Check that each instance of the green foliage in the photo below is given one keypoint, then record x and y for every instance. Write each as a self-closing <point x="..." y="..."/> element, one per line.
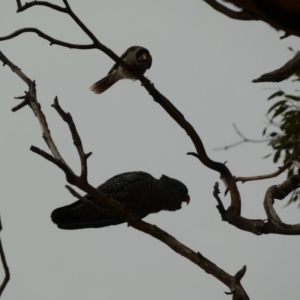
<point x="284" y="123"/>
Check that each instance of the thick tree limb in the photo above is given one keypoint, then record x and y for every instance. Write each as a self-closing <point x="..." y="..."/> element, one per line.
<point x="5" y="266"/>
<point x="287" y="70"/>
<point x="280" y="14"/>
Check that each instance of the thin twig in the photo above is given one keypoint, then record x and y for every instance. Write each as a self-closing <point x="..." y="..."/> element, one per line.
<point x="76" y="138"/>
<point x="244" y="139"/>
<point x="43" y="35"/>
<point x="5" y="266"/>
<point x="267" y="176"/>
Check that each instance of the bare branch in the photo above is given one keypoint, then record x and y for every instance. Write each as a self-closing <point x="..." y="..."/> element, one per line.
<point x="76" y="138"/>
<point x="220" y="205"/>
<point x="237" y="15"/>
<point x="240" y="274"/>
<point x="244" y="139"/>
<point x="31" y="99"/>
<point x="273" y="224"/>
<point x="85" y="200"/>
<point x="287" y="70"/>
<point x="19" y="106"/>
<point x="27" y="5"/>
<point x="267" y="176"/>
<point x="52" y="40"/>
<point x="279" y="14"/>
<point x="19" y="3"/>
<point x="5" y="266"/>
<point x="279" y="192"/>
<point x="14" y="68"/>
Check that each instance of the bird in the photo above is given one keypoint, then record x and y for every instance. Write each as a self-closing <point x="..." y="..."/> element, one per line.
<point x="136" y="56"/>
<point x="138" y="191"/>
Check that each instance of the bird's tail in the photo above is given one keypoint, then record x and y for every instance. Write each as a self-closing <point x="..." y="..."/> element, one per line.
<point x="79" y="216"/>
<point x="103" y="84"/>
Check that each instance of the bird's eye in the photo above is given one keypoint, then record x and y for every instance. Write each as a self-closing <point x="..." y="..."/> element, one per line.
<point x="144" y="56"/>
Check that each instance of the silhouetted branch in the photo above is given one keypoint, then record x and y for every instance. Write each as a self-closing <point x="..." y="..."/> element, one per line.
<point x="43" y="35"/>
<point x="280" y="14"/>
<point x="76" y="138"/>
<point x="220" y="205"/>
<point x="273" y="224"/>
<point x="240" y="274"/>
<point x="5" y="266"/>
<point x="233" y="14"/>
<point x="287" y="70"/>
<point x="267" y="176"/>
<point x="39" y="3"/>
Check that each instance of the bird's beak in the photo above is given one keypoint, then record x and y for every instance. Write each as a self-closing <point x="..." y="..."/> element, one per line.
<point x="145" y="56"/>
<point x="186" y="199"/>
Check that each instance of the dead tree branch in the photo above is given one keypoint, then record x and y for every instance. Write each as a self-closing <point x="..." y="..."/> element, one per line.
<point x="243" y="140"/>
<point x="273" y="224"/>
<point x="287" y="70"/>
<point x="5" y="266"/>
<point x="267" y="176"/>
<point x="232" y="282"/>
<point x="233" y="14"/>
<point x="280" y="14"/>
<point x="43" y="35"/>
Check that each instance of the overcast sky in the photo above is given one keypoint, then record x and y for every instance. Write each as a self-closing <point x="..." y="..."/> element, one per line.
<point x="204" y="63"/>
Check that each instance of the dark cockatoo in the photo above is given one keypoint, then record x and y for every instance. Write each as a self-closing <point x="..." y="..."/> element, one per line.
<point x="139" y="192"/>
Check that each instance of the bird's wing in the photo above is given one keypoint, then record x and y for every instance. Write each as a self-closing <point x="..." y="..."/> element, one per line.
<point x="122" y="182"/>
<point x="80" y="215"/>
<point x="116" y="65"/>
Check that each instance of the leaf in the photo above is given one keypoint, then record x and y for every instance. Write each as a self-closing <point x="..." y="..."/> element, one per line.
<point x="277" y="94"/>
<point x="275" y="105"/>
<point x="268" y="155"/>
<point x="280" y="110"/>
<point x="276" y="156"/>
<point x="264" y="131"/>
<point x="273" y="134"/>
<point x="293" y="97"/>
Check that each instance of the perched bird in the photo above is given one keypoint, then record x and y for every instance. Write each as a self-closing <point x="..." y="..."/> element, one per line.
<point x="139" y="192"/>
<point x="138" y="57"/>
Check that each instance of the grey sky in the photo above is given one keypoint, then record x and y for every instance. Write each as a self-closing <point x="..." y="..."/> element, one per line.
<point x="204" y="63"/>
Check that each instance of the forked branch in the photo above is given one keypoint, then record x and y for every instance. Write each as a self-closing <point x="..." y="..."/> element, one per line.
<point x="273" y="224"/>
